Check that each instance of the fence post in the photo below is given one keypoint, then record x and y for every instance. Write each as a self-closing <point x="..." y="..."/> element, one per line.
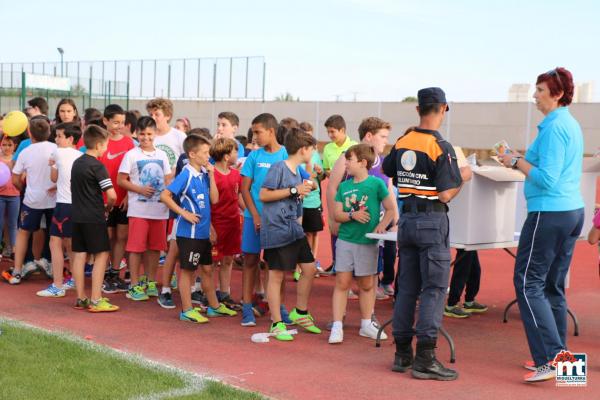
<point x="230" y="75"/>
<point x="246" y="90"/>
<point x="90" y="90"/>
<point x="183" y="89"/>
<point x="109" y="84"/>
<point x="215" y="81"/>
<point x="154" y="88"/>
<point x="23" y="89"/>
<point x="127" y="100"/>
<point x="141" y="76"/>
<point x="198" y="93"/>
<point x="264" y="79"/>
<point x="169" y="82"/>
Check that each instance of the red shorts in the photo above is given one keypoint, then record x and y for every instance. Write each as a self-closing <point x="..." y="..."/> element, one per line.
<point x="146" y="234"/>
<point x="229" y="240"/>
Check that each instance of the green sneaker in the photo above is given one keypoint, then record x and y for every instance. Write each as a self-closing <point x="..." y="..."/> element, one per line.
<point x="296" y="276"/>
<point x="192" y="315"/>
<point x="474" y="307"/>
<point x="143" y="281"/>
<point x="456" y="312"/>
<point x="152" y="290"/>
<point x="220" y="311"/>
<point x="102" y="305"/>
<point x="137" y="293"/>
<point x="174" y="281"/>
<point x="280" y="330"/>
<point x="305" y="321"/>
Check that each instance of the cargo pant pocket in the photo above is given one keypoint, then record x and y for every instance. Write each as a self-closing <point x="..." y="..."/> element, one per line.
<point x="438" y="268"/>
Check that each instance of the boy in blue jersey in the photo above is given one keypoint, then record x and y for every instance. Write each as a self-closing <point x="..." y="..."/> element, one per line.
<point x="196" y="189"/>
<point x="254" y="171"/>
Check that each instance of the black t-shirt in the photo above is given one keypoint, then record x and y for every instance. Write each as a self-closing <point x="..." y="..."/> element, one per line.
<point x="89" y="178"/>
<point x="422" y="164"/>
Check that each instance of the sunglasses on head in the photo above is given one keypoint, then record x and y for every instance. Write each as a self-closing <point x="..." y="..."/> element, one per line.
<point x="554" y="72"/>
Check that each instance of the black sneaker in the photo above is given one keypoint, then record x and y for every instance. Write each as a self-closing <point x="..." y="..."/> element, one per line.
<point x="165" y="300"/>
<point x="199" y="298"/>
<point x="109" y="286"/>
<point x="456" y="312"/>
<point x="120" y="285"/>
<point x="230" y="303"/>
<point x="474" y="307"/>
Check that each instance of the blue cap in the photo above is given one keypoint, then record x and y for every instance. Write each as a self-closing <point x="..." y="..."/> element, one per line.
<point x="432" y="95"/>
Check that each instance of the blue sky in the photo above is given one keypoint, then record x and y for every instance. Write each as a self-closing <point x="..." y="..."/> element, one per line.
<point x="380" y="49"/>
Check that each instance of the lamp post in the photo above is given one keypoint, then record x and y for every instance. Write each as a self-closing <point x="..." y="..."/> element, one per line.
<point x="62" y="52"/>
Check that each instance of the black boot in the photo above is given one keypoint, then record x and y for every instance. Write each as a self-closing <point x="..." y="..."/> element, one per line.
<point x="426" y="366"/>
<point x="403" y="359"/>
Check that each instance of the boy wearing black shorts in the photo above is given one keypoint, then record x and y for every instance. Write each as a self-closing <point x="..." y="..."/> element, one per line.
<point x="281" y="235"/>
<point x="196" y="189"/>
<point x="89" y="179"/>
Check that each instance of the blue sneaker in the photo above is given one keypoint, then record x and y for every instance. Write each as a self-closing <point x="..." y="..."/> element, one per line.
<point x="161" y="260"/>
<point x="88" y="269"/>
<point x="285" y="316"/>
<point x="248" y="318"/>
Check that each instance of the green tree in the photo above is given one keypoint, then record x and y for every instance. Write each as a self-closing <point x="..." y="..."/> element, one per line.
<point x="409" y="99"/>
<point x="287" y="96"/>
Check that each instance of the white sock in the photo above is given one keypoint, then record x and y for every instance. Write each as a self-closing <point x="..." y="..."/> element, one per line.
<point x="364" y="323"/>
<point x="337" y="325"/>
<point x="165" y="289"/>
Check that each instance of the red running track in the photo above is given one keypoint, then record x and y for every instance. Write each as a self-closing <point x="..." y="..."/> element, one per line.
<point x="489" y="353"/>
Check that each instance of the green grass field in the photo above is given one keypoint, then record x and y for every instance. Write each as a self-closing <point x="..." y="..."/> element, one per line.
<point x="35" y="364"/>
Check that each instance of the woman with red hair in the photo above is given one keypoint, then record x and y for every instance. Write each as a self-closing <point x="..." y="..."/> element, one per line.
<point x="552" y="166"/>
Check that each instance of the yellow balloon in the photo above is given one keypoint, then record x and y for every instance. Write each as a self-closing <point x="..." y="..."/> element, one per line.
<point x="15" y="123"/>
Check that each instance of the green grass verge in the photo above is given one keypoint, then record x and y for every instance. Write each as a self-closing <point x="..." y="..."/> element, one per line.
<point x="36" y="364"/>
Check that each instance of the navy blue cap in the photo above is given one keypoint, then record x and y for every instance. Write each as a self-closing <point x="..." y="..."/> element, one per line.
<point x="432" y="95"/>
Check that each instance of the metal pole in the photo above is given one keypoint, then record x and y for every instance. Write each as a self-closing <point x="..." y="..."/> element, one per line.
<point x="55" y="70"/>
<point x="90" y="90"/>
<point x="169" y="83"/>
<point x="127" y="101"/>
<point x="141" y="76"/>
<point x="230" y="74"/>
<point x="154" y="88"/>
<point x="11" y="75"/>
<point x="198" y="92"/>
<point x="23" y="90"/>
<point x="103" y="84"/>
<point x="66" y="69"/>
<point x="246" y="90"/>
<point x="183" y="89"/>
<point x="61" y="65"/>
<point x="109" y="82"/>
<point x="263" y="82"/>
<point x="32" y="68"/>
<point x="215" y="81"/>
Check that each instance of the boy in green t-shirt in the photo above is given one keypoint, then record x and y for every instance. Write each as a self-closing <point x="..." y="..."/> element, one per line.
<point x="357" y="205"/>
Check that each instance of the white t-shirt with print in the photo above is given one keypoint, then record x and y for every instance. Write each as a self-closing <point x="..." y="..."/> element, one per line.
<point x="33" y="161"/>
<point x="172" y="144"/>
<point x="63" y="162"/>
<point x="146" y="168"/>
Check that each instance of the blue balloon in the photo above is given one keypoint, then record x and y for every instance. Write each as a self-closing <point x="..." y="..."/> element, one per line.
<point x="4" y="174"/>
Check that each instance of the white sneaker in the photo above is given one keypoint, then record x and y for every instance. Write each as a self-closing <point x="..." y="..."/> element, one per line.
<point x="29" y="268"/>
<point x="371" y="331"/>
<point x="68" y="284"/>
<point x="51" y="291"/>
<point x="336" y="336"/>
<point x="543" y="373"/>
<point x="45" y="266"/>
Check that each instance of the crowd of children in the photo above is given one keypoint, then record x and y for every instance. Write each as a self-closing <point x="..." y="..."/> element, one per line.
<point x="119" y="195"/>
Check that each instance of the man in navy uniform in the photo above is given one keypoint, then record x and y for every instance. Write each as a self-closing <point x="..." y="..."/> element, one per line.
<point x="424" y="168"/>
